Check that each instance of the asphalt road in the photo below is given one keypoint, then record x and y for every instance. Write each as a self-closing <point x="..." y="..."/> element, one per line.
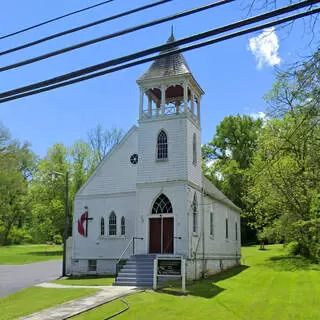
<point x="16" y="277"/>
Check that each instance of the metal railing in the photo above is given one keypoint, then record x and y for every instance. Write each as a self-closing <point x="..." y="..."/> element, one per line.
<point x="171" y="242"/>
<point x="121" y="262"/>
<point x="157" y="112"/>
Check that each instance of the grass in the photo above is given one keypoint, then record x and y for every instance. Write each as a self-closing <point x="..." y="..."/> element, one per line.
<point x="22" y="254"/>
<point x="269" y="285"/>
<point x="87" y="281"/>
<point x="34" y="299"/>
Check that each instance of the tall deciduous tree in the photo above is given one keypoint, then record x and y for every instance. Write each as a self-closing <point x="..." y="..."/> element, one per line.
<point x="102" y="141"/>
<point x="48" y="194"/>
<point x="284" y="186"/>
<point x="16" y="168"/>
<point x="230" y="154"/>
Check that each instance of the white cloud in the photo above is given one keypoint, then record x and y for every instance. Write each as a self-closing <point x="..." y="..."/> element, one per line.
<point x="265" y="48"/>
<point x="258" y="115"/>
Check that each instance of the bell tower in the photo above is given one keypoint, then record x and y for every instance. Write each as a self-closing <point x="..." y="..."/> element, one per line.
<point x="169" y="148"/>
<point x="169" y="121"/>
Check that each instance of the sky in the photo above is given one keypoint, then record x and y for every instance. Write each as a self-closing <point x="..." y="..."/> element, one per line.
<point x="234" y="74"/>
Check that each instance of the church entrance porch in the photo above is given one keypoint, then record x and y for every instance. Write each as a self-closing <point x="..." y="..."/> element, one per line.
<point x="161" y="235"/>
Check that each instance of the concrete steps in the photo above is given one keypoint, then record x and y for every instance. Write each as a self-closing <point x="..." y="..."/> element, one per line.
<point x="138" y="271"/>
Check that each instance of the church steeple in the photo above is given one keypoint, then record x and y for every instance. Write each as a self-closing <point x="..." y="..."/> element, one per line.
<point x="169" y="87"/>
<point x="172" y="65"/>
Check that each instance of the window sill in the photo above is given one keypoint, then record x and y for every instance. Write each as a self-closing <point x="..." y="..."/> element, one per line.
<point x="112" y="237"/>
<point x="194" y="234"/>
<point x="162" y="160"/>
<point x="211" y="237"/>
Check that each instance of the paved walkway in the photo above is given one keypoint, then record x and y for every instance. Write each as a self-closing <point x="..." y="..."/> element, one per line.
<point x="13" y="278"/>
<point x="72" y="308"/>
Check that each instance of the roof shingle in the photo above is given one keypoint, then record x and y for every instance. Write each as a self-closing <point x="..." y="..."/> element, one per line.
<point x="171" y="65"/>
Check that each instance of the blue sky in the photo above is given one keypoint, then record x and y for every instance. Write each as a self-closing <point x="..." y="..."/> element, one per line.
<point x="230" y="74"/>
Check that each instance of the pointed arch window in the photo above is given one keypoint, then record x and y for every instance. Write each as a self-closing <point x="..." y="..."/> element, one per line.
<point x="102" y="226"/>
<point x="162" y="146"/>
<point x="123" y="226"/>
<point x="162" y="205"/>
<point x="194" y="214"/>
<point x="194" y="149"/>
<point x="112" y="224"/>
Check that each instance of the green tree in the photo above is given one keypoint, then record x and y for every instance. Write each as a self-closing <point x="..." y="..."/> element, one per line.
<point x="48" y="194"/>
<point x="230" y="153"/>
<point x="284" y="179"/>
<point x="16" y="168"/>
<point x="82" y="164"/>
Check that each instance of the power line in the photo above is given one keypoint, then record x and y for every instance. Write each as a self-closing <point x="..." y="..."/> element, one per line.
<point x="172" y="45"/>
<point x="45" y="87"/>
<point x="114" y="35"/>
<point x="60" y="34"/>
<point x="55" y="19"/>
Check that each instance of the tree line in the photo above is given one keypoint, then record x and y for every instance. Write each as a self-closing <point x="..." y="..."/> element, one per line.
<point x="270" y="167"/>
<point x="32" y="189"/>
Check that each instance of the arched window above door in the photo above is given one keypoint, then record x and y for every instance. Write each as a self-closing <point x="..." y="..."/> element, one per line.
<point x="162" y="205"/>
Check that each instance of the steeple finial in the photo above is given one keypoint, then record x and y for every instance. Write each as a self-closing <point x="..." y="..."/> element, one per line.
<point x="171" y="38"/>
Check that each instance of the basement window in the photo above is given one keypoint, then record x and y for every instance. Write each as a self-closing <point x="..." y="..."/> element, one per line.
<point x="92" y="265"/>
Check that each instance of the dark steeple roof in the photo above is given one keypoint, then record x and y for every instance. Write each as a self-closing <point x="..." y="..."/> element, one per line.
<point x="171" y="65"/>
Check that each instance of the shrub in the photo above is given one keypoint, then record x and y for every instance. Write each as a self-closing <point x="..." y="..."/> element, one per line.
<point x="293" y="248"/>
<point x="57" y="239"/>
<point x="19" y="236"/>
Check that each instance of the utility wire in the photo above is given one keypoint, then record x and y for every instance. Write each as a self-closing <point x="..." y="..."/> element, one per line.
<point x="60" y="34"/>
<point x="44" y="86"/>
<point x="173" y="45"/>
<point x="55" y="19"/>
<point x="114" y="35"/>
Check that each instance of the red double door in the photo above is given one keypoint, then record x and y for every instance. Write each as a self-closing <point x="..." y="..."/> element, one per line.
<point x="161" y="235"/>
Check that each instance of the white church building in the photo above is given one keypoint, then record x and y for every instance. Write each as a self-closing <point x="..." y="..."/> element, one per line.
<point x="148" y="197"/>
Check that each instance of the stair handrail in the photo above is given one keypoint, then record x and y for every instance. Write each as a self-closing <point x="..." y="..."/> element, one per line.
<point x="124" y="251"/>
<point x="122" y="254"/>
<point x="171" y="241"/>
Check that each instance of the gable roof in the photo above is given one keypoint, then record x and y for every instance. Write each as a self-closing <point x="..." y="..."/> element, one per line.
<point x="214" y="192"/>
<point x="107" y="156"/>
<point x="171" y="65"/>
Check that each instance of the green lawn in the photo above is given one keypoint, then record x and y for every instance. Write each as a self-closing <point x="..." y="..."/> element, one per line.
<point x="269" y="285"/>
<point x="29" y="253"/>
<point x="87" y="281"/>
<point x="34" y="299"/>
